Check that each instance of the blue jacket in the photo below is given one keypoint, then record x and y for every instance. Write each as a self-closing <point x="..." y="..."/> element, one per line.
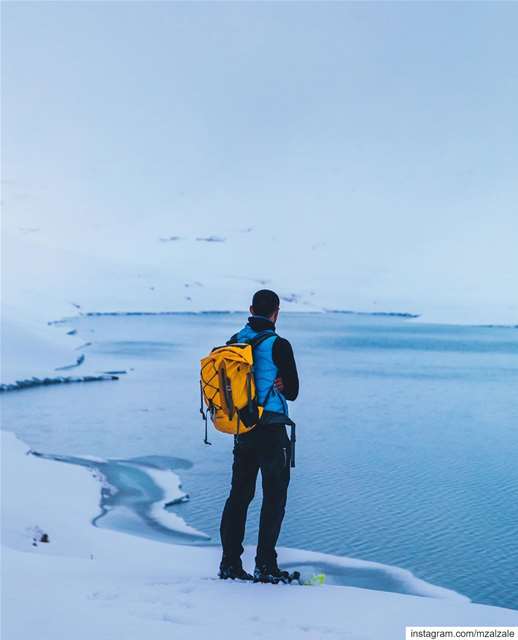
<point x="265" y="370"/>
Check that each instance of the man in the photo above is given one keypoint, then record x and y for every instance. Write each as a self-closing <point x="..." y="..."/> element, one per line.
<point x="267" y="447"/>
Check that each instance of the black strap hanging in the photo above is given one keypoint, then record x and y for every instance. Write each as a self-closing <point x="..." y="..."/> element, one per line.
<point x="292" y="442"/>
<point x="203" y="415"/>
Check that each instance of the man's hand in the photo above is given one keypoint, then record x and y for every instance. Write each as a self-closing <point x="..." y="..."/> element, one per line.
<point x="278" y="384"/>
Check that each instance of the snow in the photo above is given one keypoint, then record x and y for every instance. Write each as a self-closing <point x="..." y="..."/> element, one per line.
<point x="32" y="348"/>
<point x="34" y="293"/>
<point x="36" y="496"/>
<point x="90" y="582"/>
<point x="48" y="277"/>
<point x="169" y="483"/>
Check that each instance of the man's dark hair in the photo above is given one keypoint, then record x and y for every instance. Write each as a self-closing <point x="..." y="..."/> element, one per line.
<point x="265" y="302"/>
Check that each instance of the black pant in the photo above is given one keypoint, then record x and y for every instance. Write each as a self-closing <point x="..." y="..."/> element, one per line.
<point x="267" y="447"/>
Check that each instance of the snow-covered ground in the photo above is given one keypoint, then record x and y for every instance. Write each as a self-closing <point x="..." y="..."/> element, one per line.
<point x="88" y="582"/>
<point x="47" y="277"/>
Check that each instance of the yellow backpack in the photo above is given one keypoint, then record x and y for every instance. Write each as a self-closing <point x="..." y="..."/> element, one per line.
<point x="227" y="387"/>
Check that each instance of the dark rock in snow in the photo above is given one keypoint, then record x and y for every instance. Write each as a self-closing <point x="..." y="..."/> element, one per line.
<point x="211" y="239"/>
<point x="383" y="314"/>
<point x="82" y="346"/>
<point x="36" y="382"/>
<point x="77" y="363"/>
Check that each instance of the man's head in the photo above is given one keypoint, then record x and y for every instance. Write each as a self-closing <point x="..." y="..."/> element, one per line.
<point x="265" y="303"/>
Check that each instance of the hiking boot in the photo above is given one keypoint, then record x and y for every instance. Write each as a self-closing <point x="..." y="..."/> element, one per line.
<point x="233" y="571"/>
<point x="271" y="573"/>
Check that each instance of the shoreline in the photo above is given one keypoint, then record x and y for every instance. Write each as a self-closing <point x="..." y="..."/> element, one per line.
<point x="147" y="489"/>
<point x="414" y="317"/>
<point x="107" y="583"/>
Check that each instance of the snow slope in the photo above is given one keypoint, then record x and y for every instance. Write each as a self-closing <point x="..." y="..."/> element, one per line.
<point x="88" y="582"/>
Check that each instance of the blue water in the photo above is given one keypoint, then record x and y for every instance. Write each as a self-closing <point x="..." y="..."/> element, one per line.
<point x="407" y="435"/>
<point x="128" y="494"/>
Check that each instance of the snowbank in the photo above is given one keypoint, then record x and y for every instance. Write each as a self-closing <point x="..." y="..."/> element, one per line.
<point x="172" y="494"/>
<point x="38" y="286"/>
<point x="88" y="582"/>
<point x="31" y="348"/>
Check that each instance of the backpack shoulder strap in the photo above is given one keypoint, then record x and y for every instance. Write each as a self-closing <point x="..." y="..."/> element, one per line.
<point x="256" y="340"/>
<point x="261" y="337"/>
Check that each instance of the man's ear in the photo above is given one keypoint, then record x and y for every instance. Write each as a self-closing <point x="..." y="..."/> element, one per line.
<point x="251" y="310"/>
<point x="275" y="316"/>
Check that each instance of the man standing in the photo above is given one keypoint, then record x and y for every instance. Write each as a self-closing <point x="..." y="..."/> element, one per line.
<point x="267" y="447"/>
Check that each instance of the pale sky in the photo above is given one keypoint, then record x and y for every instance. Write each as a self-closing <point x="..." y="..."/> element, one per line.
<point x="390" y="126"/>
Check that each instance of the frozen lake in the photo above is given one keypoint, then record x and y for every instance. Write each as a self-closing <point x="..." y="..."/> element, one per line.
<point x="407" y="443"/>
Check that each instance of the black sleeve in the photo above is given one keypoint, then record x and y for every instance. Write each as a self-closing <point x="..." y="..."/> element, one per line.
<point x="284" y="360"/>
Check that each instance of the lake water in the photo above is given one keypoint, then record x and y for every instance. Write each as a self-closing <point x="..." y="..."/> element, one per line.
<point x="407" y="450"/>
